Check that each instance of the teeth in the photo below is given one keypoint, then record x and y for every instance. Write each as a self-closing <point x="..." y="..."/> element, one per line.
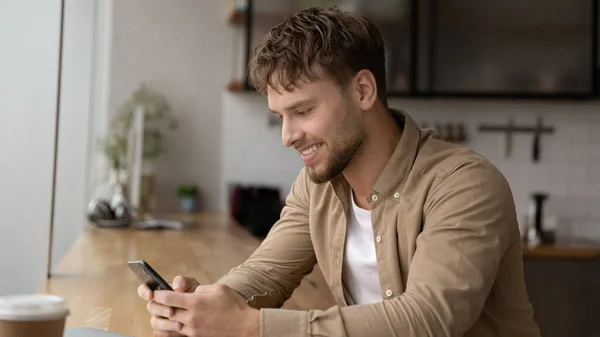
<point x="310" y="150"/>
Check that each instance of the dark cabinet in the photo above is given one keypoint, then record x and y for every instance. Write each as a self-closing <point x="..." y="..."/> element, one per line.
<point x="508" y="47"/>
<point x="568" y="304"/>
<point x="491" y="48"/>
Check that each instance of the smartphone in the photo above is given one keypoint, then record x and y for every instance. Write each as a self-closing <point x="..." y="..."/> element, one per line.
<point x="148" y="275"/>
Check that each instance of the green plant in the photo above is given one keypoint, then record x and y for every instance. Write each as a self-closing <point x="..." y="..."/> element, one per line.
<point x="187" y="190"/>
<point x="157" y="121"/>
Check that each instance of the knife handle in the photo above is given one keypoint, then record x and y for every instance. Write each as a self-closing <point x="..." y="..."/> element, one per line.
<point x="536" y="148"/>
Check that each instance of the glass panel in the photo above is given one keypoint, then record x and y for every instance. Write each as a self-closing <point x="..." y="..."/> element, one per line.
<point x="392" y="17"/>
<point x="79" y="56"/>
<point x="512" y="46"/>
<point x="424" y="53"/>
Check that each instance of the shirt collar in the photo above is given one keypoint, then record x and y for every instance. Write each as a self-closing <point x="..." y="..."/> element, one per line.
<point x="393" y="177"/>
<point x="395" y="173"/>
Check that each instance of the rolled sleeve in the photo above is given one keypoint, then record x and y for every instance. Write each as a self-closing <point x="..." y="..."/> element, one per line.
<point x="271" y="274"/>
<point x="281" y="322"/>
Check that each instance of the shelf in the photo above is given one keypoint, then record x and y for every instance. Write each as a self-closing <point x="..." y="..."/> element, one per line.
<point x="398" y="93"/>
<point x="237" y="17"/>
<point x="236" y="85"/>
<point x="506" y="95"/>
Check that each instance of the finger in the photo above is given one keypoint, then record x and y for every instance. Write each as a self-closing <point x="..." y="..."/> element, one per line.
<point x="172" y="298"/>
<point x="162" y="333"/>
<point x="159" y="309"/>
<point x="164" y="325"/>
<point x="184" y="283"/>
<point x="179" y="283"/>
<point x="166" y="334"/>
<point x="145" y="292"/>
<point x="188" y="331"/>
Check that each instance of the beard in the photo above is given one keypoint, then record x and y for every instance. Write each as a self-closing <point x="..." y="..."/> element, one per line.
<point x="352" y="139"/>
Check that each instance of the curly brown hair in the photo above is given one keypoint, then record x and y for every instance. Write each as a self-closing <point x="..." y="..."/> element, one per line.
<point x="341" y="42"/>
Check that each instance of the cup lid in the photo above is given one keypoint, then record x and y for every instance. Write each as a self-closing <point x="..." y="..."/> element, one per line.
<point x="32" y="307"/>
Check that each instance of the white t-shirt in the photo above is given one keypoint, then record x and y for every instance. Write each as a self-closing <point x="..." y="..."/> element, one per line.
<point x="360" y="274"/>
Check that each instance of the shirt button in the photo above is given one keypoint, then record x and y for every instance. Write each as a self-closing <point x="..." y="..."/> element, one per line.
<point x="378" y="239"/>
<point x="388" y="293"/>
<point x="396" y="195"/>
<point x="374" y="197"/>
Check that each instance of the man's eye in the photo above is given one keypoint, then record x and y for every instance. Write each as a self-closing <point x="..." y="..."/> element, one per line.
<point x="304" y="112"/>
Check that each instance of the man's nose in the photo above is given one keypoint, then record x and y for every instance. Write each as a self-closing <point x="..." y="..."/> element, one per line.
<point x="289" y="133"/>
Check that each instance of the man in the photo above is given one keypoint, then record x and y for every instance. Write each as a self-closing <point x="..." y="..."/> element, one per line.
<point x="415" y="236"/>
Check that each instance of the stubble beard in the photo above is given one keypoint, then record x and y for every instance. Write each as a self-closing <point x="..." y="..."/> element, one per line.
<point x="342" y="155"/>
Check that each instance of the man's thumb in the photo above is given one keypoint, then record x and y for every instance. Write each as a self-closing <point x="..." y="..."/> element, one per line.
<point x="179" y="283"/>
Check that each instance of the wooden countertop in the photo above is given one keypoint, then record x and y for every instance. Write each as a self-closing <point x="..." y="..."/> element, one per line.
<point x="101" y="291"/>
<point x="565" y="249"/>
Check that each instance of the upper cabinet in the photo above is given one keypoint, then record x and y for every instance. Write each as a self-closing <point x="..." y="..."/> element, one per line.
<point x="491" y="48"/>
<point x="507" y="47"/>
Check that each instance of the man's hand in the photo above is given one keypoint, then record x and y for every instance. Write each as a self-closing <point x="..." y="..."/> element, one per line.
<point x="181" y="284"/>
<point x="211" y="311"/>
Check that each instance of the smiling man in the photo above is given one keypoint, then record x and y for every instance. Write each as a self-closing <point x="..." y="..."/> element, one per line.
<point x="415" y="236"/>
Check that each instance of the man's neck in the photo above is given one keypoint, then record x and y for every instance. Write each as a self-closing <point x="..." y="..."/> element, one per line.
<point x="382" y="137"/>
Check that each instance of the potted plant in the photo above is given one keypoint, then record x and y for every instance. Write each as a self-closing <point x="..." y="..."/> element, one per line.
<point x="188" y="196"/>
<point x="158" y="122"/>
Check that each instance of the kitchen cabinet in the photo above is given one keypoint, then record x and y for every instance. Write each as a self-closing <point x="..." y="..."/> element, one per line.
<point x="564" y="295"/>
<point x="471" y="48"/>
<point x="508" y="48"/>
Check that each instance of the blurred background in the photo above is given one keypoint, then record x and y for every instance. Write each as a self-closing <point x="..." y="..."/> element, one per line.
<point x="516" y="81"/>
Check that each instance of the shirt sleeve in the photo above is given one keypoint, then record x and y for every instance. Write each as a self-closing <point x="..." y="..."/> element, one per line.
<point x="469" y="218"/>
<point x="268" y="278"/>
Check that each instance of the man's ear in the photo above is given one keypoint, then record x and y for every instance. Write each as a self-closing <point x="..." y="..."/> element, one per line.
<point x="366" y="89"/>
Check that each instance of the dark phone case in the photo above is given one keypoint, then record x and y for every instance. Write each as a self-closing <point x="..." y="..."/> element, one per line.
<point x="148" y="275"/>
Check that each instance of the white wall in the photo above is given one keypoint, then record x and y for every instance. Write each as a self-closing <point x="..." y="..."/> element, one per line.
<point x="182" y="49"/>
<point x="29" y="36"/>
<point x="569" y="166"/>
<point x="252" y="150"/>
<point x="74" y="129"/>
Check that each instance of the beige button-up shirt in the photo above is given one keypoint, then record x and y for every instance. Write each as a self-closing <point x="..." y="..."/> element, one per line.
<point x="447" y="242"/>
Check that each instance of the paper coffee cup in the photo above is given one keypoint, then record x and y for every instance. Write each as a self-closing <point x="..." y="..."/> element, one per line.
<point x="32" y="316"/>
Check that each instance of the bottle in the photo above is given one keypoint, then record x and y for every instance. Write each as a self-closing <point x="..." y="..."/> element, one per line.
<point x="449" y="133"/>
<point x="462" y="135"/>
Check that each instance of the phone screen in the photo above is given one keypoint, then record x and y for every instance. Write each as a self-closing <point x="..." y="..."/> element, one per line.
<point x="148" y="275"/>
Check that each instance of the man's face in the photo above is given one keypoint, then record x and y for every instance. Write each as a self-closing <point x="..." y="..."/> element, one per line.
<point x="322" y="124"/>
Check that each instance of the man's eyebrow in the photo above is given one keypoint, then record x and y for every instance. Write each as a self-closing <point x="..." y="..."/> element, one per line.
<point x="295" y="105"/>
